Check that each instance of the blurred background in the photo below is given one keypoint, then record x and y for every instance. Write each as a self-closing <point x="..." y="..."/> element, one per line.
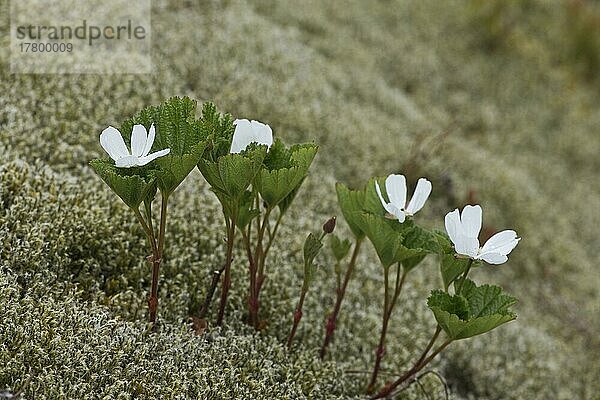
<point x="496" y="102"/>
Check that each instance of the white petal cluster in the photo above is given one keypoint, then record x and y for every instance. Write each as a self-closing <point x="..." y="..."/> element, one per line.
<point x="141" y="144"/>
<point x="395" y="186"/>
<point x="247" y="132"/>
<point x="463" y="229"/>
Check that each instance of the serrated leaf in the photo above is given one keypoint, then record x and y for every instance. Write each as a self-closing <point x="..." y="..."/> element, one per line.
<point x="340" y="248"/>
<point x="457" y="305"/>
<point x="132" y="185"/>
<point x="302" y="155"/>
<point x="174" y="169"/>
<point x="351" y="203"/>
<point x="176" y="129"/>
<point x="488" y="308"/>
<point x="274" y="185"/>
<point x="218" y="129"/>
<point x="416" y="237"/>
<point x="486" y="299"/>
<point x="386" y="238"/>
<point x="278" y="156"/>
<point x="232" y="174"/>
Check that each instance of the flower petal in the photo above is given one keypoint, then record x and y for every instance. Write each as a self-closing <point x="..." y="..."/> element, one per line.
<point x="502" y="243"/>
<point x="493" y="258"/>
<point x="388" y="207"/>
<point x="395" y="185"/>
<point x="127" y="162"/>
<point x="151" y="157"/>
<point x="466" y="245"/>
<point x="453" y="226"/>
<point x="112" y="142"/>
<point x="149" y="140"/>
<point x="471" y="221"/>
<point x="399" y="214"/>
<point x="378" y="190"/>
<point x="262" y="133"/>
<point x="138" y="140"/>
<point x="242" y="136"/>
<point x="422" y="192"/>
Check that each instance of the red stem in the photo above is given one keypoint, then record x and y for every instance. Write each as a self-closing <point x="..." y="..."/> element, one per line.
<point x="387" y="390"/>
<point x="297" y="318"/>
<point x="331" y="321"/>
<point x="387" y="314"/>
<point x="227" y="275"/>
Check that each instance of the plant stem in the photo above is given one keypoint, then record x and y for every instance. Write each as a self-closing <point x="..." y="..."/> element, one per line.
<point x="153" y="300"/>
<point x="387" y="390"/>
<point x="148" y="231"/>
<point x="257" y="271"/>
<point x="227" y="270"/>
<point x="251" y="270"/>
<point x="388" y="307"/>
<point x="148" y="210"/>
<point x="216" y="277"/>
<point x="331" y="321"/>
<point x="272" y="234"/>
<point x="297" y="317"/>
<point x="464" y="277"/>
<point x="261" y="253"/>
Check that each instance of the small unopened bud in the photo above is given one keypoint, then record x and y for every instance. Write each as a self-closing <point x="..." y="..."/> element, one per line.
<point x="329" y="226"/>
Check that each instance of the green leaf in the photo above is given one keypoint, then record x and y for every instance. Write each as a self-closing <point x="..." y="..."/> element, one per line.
<point x="340" y="248"/>
<point x="132" y="185"/>
<point x="278" y="156"/>
<point x="218" y="129"/>
<point x="452" y="267"/>
<point x="174" y="169"/>
<point x="412" y="262"/>
<point x="274" y="185"/>
<point x="312" y="246"/>
<point x="416" y="237"/>
<point x="372" y="202"/>
<point x="486" y="299"/>
<point x="444" y="242"/>
<point x="289" y="199"/>
<point x="302" y="155"/>
<point x="351" y="203"/>
<point x="246" y="211"/>
<point x="386" y="238"/>
<point x="232" y="174"/>
<point x="457" y="305"/>
<point x="176" y="129"/>
<point x="488" y="308"/>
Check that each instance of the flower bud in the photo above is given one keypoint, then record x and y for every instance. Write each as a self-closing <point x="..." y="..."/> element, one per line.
<point x="329" y="226"/>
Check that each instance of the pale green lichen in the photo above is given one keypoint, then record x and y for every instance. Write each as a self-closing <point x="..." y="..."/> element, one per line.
<point x="522" y="134"/>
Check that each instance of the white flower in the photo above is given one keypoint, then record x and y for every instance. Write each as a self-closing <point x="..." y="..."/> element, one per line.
<point x="247" y="132"/>
<point x="395" y="186"/>
<point x="112" y="142"/>
<point x="464" y="232"/>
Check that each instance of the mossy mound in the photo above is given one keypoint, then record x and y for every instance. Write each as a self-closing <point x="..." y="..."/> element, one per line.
<point x="378" y="90"/>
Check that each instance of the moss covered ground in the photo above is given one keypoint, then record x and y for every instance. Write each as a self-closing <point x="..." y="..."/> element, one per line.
<point x="483" y="102"/>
